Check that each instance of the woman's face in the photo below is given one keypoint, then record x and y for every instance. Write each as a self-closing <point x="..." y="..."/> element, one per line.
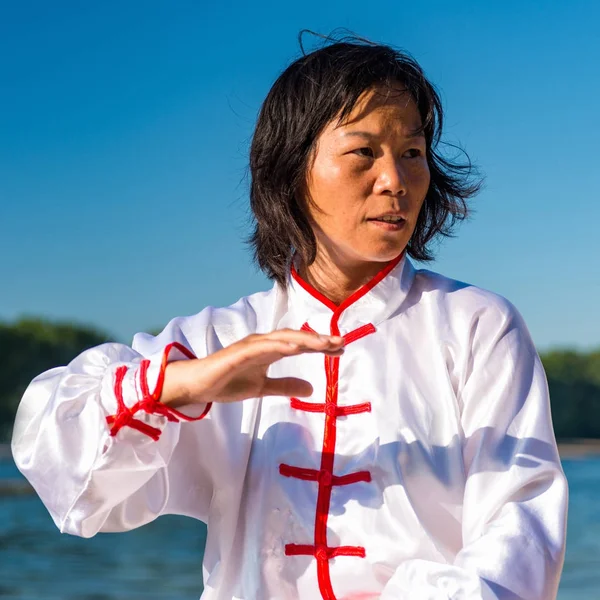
<point x="368" y="180"/>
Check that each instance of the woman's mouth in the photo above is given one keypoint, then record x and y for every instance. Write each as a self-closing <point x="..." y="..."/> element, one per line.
<point x="389" y="223"/>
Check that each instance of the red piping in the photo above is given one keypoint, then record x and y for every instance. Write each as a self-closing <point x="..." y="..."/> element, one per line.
<point x="340" y="411"/>
<point x="324" y="552"/>
<point x="356" y="334"/>
<point x="338" y="310"/>
<point x="324" y="476"/>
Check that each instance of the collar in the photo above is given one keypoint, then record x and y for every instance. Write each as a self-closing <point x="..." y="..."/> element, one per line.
<point x="373" y="303"/>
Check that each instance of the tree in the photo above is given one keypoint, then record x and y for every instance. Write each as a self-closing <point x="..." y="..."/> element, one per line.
<point x="574" y="382"/>
<point x="31" y="346"/>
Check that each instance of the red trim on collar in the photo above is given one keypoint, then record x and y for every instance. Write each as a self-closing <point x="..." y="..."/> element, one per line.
<point x="353" y="297"/>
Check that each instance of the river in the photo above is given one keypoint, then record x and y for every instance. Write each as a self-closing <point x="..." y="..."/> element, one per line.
<point x="163" y="559"/>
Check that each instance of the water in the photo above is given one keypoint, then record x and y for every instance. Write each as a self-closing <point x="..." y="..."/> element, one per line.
<point x="581" y="574"/>
<point x="163" y="559"/>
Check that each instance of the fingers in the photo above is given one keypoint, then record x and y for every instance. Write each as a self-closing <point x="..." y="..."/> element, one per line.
<point x="307" y="339"/>
<point x="287" y="386"/>
<point x="266" y="350"/>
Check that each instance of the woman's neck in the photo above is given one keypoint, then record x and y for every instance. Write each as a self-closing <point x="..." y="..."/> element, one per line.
<point x="337" y="281"/>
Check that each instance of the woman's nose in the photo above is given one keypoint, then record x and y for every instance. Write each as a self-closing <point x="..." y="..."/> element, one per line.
<point x="391" y="179"/>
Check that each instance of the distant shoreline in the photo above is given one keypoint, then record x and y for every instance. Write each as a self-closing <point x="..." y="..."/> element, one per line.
<point x="576" y="448"/>
<point x="579" y="448"/>
<point x="571" y="449"/>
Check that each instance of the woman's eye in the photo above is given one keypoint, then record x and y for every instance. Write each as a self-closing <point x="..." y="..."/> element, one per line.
<point x="366" y="151"/>
<point x="415" y="152"/>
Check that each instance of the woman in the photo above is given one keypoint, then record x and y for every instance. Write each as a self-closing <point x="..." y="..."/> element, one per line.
<point x="363" y="429"/>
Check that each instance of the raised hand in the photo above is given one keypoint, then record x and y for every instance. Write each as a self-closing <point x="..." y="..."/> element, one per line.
<point x="239" y="371"/>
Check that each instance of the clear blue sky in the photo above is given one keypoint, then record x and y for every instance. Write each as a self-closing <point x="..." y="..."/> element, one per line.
<point x="124" y="130"/>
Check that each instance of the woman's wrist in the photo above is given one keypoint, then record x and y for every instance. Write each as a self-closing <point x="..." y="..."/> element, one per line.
<point x="177" y="387"/>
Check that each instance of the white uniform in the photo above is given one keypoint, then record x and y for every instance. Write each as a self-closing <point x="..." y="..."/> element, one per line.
<point x="423" y="467"/>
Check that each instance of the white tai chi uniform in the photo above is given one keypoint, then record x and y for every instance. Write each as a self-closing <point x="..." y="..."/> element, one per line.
<point x="423" y="467"/>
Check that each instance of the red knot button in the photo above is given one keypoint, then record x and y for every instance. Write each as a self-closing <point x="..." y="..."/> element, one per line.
<point x="321" y="553"/>
<point x="325" y="478"/>
<point x="149" y="405"/>
<point x="330" y="409"/>
<point x="124" y="417"/>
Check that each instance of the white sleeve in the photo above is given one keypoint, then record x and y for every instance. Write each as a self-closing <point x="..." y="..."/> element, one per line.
<point x="515" y="498"/>
<point x="95" y="442"/>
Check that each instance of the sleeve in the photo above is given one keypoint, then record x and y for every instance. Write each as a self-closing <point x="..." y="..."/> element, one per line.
<point x="94" y="440"/>
<point x="515" y="497"/>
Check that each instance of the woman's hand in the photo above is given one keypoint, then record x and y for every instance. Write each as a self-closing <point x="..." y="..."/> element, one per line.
<point x="240" y="370"/>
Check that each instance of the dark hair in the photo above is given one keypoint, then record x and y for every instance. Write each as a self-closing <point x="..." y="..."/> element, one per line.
<point x="309" y="94"/>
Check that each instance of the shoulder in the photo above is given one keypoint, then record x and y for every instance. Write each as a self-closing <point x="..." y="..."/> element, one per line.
<point x="216" y="326"/>
<point x="251" y="314"/>
<point x="476" y="322"/>
<point x="465" y="302"/>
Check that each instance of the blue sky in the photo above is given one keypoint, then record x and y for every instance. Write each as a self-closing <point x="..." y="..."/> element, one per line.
<point x="124" y="130"/>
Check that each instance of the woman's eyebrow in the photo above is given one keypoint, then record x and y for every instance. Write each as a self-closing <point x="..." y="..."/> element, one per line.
<point x="415" y="134"/>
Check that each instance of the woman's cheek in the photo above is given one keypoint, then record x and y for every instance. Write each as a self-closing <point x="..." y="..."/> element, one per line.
<point x="423" y="175"/>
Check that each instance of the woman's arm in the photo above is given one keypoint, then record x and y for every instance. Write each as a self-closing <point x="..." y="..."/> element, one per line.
<point x="92" y="439"/>
<point x="100" y="440"/>
<point x="515" y="500"/>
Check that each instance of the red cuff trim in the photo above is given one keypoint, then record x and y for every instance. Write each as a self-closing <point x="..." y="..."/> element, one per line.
<point x="124" y="416"/>
<point x="150" y="402"/>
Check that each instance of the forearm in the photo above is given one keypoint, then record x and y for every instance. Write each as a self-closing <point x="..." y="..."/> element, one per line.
<point x="80" y="450"/>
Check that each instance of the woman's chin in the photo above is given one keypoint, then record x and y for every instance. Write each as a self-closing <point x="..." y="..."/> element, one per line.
<point x="385" y="252"/>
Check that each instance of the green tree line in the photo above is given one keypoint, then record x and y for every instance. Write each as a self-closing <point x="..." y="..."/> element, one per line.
<point x="31" y="346"/>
